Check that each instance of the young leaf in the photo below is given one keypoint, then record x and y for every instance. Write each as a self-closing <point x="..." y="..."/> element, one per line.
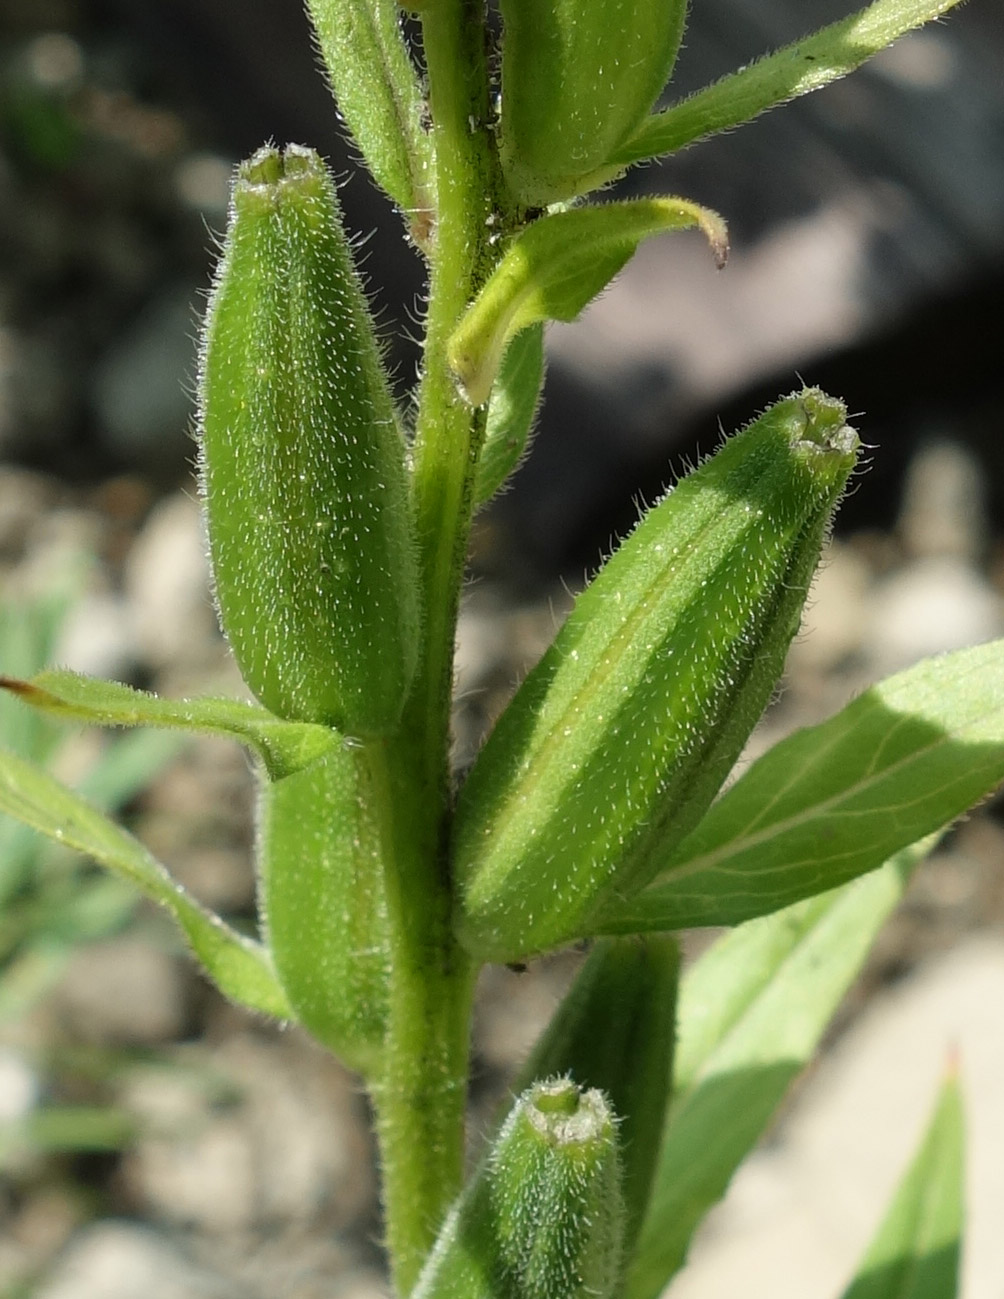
<point x="374" y="82"/>
<point x="511" y="410"/>
<point x="303" y="464"/>
<point x="240" y="968"/>
<point x="557" y="265"/>
<point x="915" y="1254"/>
<point x="615" y="1031"/>
<point x="283" y="746"/>
<point x="751" y="1014"/>
<point x="616" y="743"/>
<point x="542" y="1216"/>
<point x="797" y="69"/>
<point x="321" y="892"/>
<point x="577" y="79"/>
<point x="833" y="801"/>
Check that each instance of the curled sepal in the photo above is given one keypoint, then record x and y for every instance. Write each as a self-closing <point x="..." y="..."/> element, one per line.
<point x="303" y="464"/>
<point x="615" y="1031"/>
<point x="322" y="900"/>
<point x="282" y="746"/>
<point x="617" y="742"/>
<point x="577" y="79"/>
<point x="511" y="410"/>
<point x="543" y="1215"/>
<point x="240" y="967"/>
<point x="379" y="95"/>
<point x="554" y="268"/>
<point x="916" y="1252"/>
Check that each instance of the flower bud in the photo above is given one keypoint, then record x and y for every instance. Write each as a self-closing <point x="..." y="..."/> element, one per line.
<point x="303" y="465"/>
<point x="617" y="742"/>
<point x="578" y="78"/>
<point x="542" y="1218"/>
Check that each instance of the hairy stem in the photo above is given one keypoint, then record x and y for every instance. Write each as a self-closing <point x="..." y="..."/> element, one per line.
<point x="420" y="1097"/>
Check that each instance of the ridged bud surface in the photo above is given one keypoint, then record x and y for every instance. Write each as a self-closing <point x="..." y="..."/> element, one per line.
<point x="617" y="742"/>
<point x="303" y="465"/>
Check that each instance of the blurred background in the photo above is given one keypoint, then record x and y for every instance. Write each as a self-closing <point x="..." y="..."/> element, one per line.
<point x="154" y="1140"/>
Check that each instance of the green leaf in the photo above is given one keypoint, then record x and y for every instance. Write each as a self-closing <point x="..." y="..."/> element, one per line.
<point x="615" y="1031"/>
<point x="557" y="265"/>
<point x="240" y="968"/>
<point x="303" y="463"/>
<point x="323" y="902"/>
<point x="283" y="746"/>
<point x="751" y="1014"/>
<point x="378" y="93"/>
<point x="834" y="801"/>
<point x="542" y="1217"/>
<point x="511" y="410"/>
<point x="577" y="79"/>
<point x="797" y="69"/>
<point x="915" y="1254"/>
<point x="617" y="742"/>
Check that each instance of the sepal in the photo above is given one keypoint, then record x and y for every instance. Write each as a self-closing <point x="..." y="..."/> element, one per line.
<point x="554" y="268"/>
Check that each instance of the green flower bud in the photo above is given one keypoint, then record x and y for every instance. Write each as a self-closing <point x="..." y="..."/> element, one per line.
<point x="578" y="78"/>
<point x="555" y="1187"/>
<point x="542" y="1218"/>
<point x="303" y="465"/>
<point x="619" y="739"/>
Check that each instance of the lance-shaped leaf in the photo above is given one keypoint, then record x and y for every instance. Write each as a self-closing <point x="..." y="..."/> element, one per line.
<point x="283" y="746"/>
<point x="557" y="265"/>
<point x="615" y="1031"/>
<point x="542" y="1217"/>
<point x="373" y="79"/>
<point x="834" y="801"/>
<point x="577" y="79"/>
<point x="752" y="1012"/>
<point x="511" y="411"/>
<point x="321" y="893"/>
<point x="915" y="1254"/>
<point x="797" y="69"/>
<point x="303" y="464"/>
<point x="239" y="967"/>
<point x="619" y="739"/>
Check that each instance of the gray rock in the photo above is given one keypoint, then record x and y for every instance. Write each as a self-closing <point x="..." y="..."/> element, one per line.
<point x="124" y="990"/>
<point x="117" y="1260"/>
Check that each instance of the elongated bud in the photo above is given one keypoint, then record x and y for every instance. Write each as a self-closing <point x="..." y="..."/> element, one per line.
<point x="303" y="465"/>
<point x="617" y="742"/>
<point x="577" y="80"/>
<point x="543" y="1216"/>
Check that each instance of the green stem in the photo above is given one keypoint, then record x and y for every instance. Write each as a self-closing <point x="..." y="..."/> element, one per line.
<point x="421" y="1095"/>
